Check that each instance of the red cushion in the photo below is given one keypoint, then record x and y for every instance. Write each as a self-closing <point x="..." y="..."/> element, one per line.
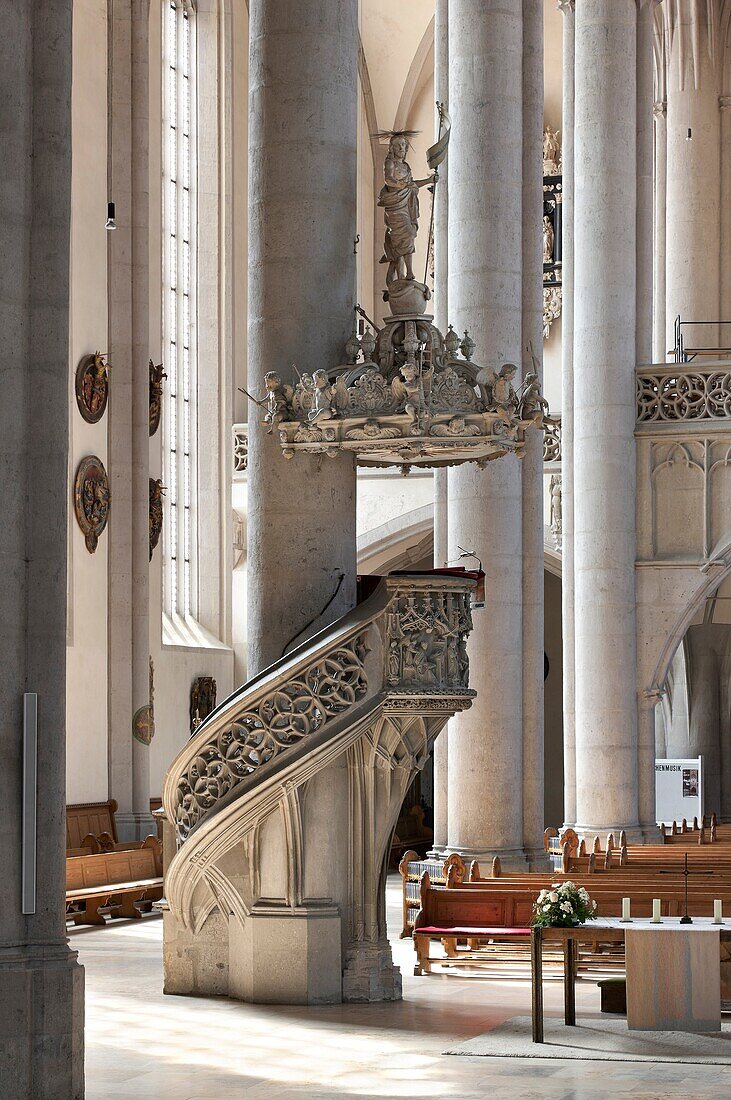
<point x="463" y="930"/>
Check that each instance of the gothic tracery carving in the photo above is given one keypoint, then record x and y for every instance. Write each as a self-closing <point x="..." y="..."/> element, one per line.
<point x="684" y="395"/>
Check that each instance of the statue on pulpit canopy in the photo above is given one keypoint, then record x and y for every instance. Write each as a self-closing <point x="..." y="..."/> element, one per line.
<point x="399" y="198"/>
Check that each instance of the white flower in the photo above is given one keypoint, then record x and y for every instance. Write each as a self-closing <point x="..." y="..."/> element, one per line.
<point x="566" y="907"/>
<point x="593" y="905"/>
<point x="553" y="896"/>
<point x="542" y="895"/>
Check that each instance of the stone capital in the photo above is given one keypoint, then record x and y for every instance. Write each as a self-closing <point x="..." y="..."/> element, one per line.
<point x="660" y="108"/>
<point x="568" y="7"/>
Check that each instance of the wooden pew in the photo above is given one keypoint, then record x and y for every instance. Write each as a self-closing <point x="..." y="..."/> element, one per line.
<point x="492" y="915"/>
<point x="91" y="819"/>
<point x="114" y="881"/>
<point x="411" y="869"/>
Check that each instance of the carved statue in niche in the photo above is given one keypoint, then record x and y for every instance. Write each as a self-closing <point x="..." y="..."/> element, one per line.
<point x="157" y="490"/>
<point x="92" y="387"/>
<point x="551" y="152"/>
<point x="399" y="198"/>
<point x="91" y="499"/>
<point x="156" y="376"/>
<point x="548" y="240"/>
<point x="202" y="700"/>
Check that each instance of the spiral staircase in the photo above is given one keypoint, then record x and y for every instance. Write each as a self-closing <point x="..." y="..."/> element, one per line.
<point x="281" y="807"/>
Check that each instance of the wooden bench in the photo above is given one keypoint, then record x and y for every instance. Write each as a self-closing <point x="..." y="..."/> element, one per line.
<point x="86" y="821"/>
<point x="411" y="868"/>
<point x="490" y="915"/>
<point x="115" y="881"/>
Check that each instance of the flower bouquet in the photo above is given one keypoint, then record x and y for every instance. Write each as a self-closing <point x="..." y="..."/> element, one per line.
<point x="565" y="905"/>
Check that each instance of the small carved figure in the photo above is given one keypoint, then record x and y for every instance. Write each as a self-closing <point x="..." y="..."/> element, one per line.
<point x="485" y="380"/>
<point x="556" y="518"/>
<point x="156" y="494"/>
<point x="399" y="198"/>
<point x="156" y="376"/>
<point x="91" y="499"/>
<point x="277" y="402"/>
<point x="92" y="387"/>
<point x="551" y="152"/>
<point x="322" y="398"/>
<point x="503" y="394"/>
<point x="408" y="390"/>
<point x="531" y="405"/>
<point x="548" y="240"/>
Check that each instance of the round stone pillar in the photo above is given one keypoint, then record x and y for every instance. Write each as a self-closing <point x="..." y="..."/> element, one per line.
<point x="41" y="983"/>
<point x="693" y="212"/>
<point x="302" y="206"/>
<point x="568" y="8"/>
<point x="604" y="415"/>
<point x="485" y="296"/>
<point x="441" y="261"/>
<point x="532" y="471"/>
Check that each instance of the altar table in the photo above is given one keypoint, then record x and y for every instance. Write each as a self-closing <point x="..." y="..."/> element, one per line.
<point x="673" y="971"/>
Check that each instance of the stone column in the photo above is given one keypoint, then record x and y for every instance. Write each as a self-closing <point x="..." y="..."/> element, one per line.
<point x="645" y="255"/>
<point x="659" y="337"/>
<point x="441" y="309"/>
<point x="604" y="415"/>
<point x="532" y="473"/>
<point x="129" y="352"/>
<point x="568" y="8"/>
<point x="41" y="983"/>
<point x="725" y="107"/>
<point x="706" y="646"/>
<point x="485" y="296"/>
<point x="693" y="212"/>
<point x="302" y="202"/>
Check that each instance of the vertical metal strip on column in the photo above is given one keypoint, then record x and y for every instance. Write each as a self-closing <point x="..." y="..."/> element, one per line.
<point x="30" y="797"/>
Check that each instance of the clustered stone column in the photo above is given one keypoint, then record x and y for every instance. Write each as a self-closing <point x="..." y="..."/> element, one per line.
<point x="605" y="243"/>
<point x="693" y="255"/>
<point x="486" y="291"/>
<point x="302" y="189"/>
<point x="41" y="983"/>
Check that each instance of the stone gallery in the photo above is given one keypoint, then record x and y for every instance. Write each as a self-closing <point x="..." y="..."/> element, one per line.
<point x="367" y="599"/>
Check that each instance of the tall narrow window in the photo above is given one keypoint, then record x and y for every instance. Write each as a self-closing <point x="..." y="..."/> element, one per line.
<point x="179" y="266"/>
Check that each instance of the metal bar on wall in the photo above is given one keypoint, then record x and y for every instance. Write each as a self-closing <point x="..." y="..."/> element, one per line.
<point x="30" y="799"/>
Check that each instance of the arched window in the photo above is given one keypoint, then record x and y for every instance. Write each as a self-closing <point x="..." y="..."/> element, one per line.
<point x="179" y="306"/>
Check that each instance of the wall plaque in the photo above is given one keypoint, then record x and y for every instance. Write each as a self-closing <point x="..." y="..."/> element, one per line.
<point x="91" y="499"/>
<point x="92" y="387"/>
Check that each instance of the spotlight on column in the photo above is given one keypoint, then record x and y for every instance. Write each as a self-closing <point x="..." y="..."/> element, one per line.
<point x="111" y="222"/>
<point x="689" y="135"/>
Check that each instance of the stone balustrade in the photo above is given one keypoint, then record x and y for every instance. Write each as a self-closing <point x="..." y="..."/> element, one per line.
<point x="683" y="393"/>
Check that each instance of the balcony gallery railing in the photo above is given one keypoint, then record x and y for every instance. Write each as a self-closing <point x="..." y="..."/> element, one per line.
<point x="676" y="395"/>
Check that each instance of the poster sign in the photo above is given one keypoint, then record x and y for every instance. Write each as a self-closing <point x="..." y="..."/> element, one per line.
<point x="678" y="790"/>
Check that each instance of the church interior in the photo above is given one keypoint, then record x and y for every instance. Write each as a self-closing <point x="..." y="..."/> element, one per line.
<point x="367" y="648"/>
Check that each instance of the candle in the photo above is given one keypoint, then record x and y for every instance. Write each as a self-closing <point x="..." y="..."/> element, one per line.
<point x="625" y="909"/>
<point x="656" y="911"/>
<point x="718" y="912"/>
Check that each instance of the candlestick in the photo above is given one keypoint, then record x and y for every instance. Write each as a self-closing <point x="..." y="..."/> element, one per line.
<point x="656" y="918"/>
<point x="626" y="909"/>
<point x="718" y="912"/>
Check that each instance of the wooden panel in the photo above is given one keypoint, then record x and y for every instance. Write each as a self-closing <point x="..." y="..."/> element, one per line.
<point x="673" y="980"/>
<point x="89" y="817"/>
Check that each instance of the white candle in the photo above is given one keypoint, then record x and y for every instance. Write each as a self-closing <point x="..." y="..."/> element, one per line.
<point x="625" y="909"/>
<point x="656" y="911"/>
<point x="718" y="912"/>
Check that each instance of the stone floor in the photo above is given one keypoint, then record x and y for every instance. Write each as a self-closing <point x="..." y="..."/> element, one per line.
<point x="141" y="1045"/>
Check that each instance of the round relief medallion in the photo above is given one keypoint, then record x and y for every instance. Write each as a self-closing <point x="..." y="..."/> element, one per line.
<point x="92" y="387"/>
<point x="91" y="499"/>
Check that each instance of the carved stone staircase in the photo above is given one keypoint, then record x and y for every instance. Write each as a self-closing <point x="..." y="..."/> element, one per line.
<point x="281" y="807"/>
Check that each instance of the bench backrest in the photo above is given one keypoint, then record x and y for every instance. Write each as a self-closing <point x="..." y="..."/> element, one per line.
<point x="114" y="867"/>
<point x="93" y="818"/>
